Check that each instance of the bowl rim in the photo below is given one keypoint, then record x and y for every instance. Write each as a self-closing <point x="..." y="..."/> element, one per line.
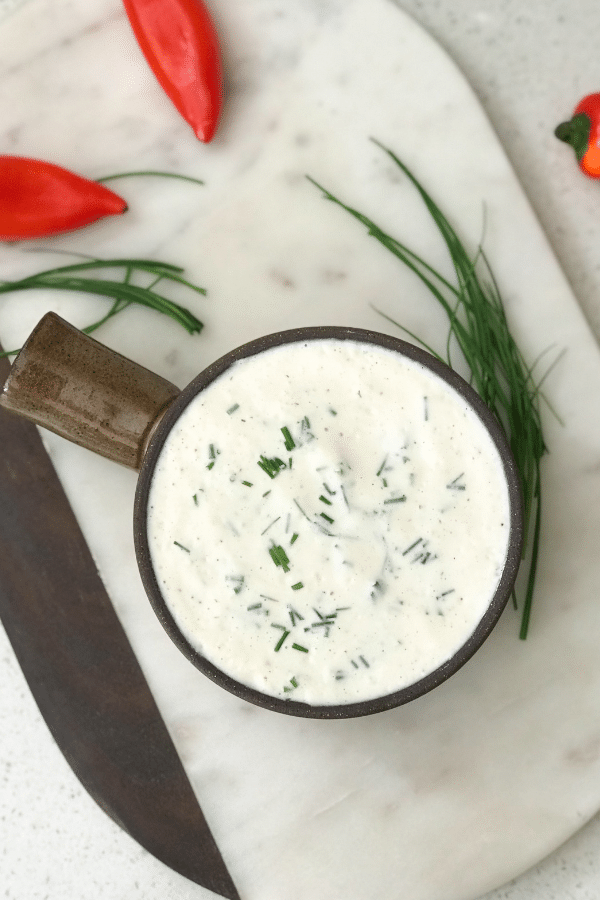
<point x="497" y="602"/>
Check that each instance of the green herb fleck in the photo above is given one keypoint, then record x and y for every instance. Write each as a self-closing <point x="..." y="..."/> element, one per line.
<point x="270" y="524"/>
<point x="325" y="500"/>
<point x="247" y="483"/>
<point x="294" y="538"/>
<point x="396" y="499"/>
<point x="279" y="557"/>
<point x="300" y="647"/>
<point x="326" y="517"/>
<point x="289" y="440"/>
<point x="301" y="510"/>
<point x="271" y="466"/>
<point x="279" y="644"/>
<point x="177" y="544"/>
<point x="381" y="467"/>
<point x="294" y="614"/>
<point x="233" y="408"/>
<point x="298" y="586"/>
<point x="412" y="546"/>
<point x="238" y="581"/>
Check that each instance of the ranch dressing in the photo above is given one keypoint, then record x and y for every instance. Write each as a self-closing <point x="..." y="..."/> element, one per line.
<point x="328" y="521"/>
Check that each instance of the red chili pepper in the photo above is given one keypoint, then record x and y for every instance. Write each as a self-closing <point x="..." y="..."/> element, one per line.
<point x="181" y="46"/>
<point x="38" y="199"/>
<point x="582" y="131"/>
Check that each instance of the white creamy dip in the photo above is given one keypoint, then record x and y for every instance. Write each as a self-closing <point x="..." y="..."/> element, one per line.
<point x="328" y="521"/>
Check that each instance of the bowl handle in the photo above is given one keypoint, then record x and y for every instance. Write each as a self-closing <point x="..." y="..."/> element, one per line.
<point x="69" y="383"/>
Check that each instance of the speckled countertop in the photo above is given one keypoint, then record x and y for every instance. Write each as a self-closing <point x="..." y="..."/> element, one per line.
<point x="528" y="65"/>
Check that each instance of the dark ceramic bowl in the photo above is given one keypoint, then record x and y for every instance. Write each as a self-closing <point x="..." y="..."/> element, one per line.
<point x="497" y="603"/>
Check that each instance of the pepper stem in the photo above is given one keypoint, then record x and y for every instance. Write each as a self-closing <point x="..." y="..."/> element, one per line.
<point x="575" y="132"/>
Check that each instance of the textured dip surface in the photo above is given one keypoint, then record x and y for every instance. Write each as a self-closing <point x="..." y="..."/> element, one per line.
<point x="328" y="521"/>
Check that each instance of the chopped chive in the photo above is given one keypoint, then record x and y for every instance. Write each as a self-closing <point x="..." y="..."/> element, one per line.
<point x="298" y="586"/>
<point x="327" y="518"/>
<point x="294" y="538"/>
<point x="328" y="489"/>
<point x="454" y="486"/>
<point x="280" y="627"/>
<point x="195" y="498"/>
<point x="271" y="466"/>
<point x="233" y="408"/>
<point x="377" y="589"/>
<point x="270" y="524"/>
<point x="381" y="467"/>
<point x="255" y="606"/>
<point x="396" y="499"/>
<point x="211" y="453"/>
<point x="301" y="510"/>
<point x="210" y="465"/>
<point x="332" y="411"/>
<point x="266" y="493"/>
<point x="279" y="557"/>
<point x="325" y="500"/>
<point x="280" y="641"/>
<point x="293" y="682"/>
<point x="289" y="440"/>
<point x="238" y="580"/>
<point x="294" y="614"/>
<point x="412" y="546"/>
<point x="364" y="662"/>
<point x="247" y="483"/>
<point x="300" y="647"/>
<point x="177" y="544"/>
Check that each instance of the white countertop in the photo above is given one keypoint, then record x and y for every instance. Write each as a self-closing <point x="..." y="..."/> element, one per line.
<point x="529" y="66"/>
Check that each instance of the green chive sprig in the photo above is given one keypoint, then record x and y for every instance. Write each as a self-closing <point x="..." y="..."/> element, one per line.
<point x="499" y="373"/>
<point x="87" y="277"/>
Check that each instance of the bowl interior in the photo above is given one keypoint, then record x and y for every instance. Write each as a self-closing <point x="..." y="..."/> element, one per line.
<point x="498" y="600"/>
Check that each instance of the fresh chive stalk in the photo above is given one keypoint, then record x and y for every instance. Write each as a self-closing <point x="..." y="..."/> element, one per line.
<point x="152" y="173"/>
<point x="86" y="277"/>
<point x="499" y="373"/>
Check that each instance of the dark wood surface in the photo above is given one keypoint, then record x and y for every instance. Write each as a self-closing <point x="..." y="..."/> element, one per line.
<point x="82" y="671"/>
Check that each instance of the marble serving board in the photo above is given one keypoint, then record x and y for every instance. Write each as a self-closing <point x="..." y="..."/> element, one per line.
<point x="461" y="790"/>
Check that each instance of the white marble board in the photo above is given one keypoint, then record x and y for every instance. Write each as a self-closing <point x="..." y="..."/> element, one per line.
<point x="467" y="787"/>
